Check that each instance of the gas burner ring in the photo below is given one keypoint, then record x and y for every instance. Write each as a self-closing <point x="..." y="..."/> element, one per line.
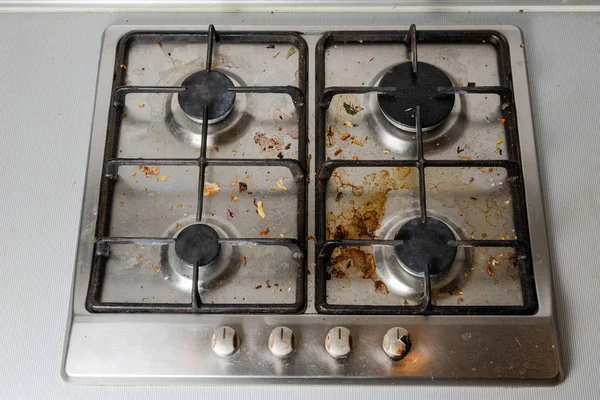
<point x="416" y="89"/>
<point x="188" y="130"/>
<point x="403" y="278"/>
<point x="425" y="243"/>
<point x="207" y="88"/>
<point x="197" y="243"/>
<point x="216" y="261"/>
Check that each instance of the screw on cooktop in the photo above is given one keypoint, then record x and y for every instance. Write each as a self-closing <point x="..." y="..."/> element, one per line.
<point x="225" y="341"/>
<point x="396" y="343"/>
<point x="282" y="342"/>
<point x="338" y="342"/>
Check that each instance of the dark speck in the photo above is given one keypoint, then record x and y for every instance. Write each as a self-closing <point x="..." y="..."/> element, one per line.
<point x="169" y="54"/>
<point x="459" y="150"/>
<point x="473" y="198"/>
<point x="280" y="156"/>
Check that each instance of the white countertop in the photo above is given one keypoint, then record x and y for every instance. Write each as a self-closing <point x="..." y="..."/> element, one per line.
<point x="48" y="66"/>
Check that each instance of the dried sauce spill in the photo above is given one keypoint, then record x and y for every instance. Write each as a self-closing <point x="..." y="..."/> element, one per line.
<point x="360" y="218"/>
<point x="381" y="287"/>
<point x="351" y="261"/>
<point x="267" y="143"/>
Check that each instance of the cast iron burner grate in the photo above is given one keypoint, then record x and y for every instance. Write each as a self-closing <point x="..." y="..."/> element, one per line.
<point x="325" y="168"/>
<point x="297" y="167"/>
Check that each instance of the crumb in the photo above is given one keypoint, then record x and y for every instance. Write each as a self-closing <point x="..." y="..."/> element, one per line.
<point x="522" y="46"/>
<point x="164" y="177"/>
<point x="179" y="205"/>
<point x="123" y="66"/>
<point x="312" y="237"/>
<point x="502" y="120"/>
<point x="472" y="179"/>
<point x="244" y="261"/>
<point x="142" y="105"/>
<point x="280" y="184"/>
<point x="149" y="170"/>
<point x="258" y="287"/>
<point x="386" y="151"/>
<point x="242" y="187"/>
<point x="122" y="202"/>
<point x="338" y="151"/>
<point x="156" y="179"/>
<point x="345" y="136"/>
<point x="125" y="222"/>
<point x="124" y="116"/>
<point x="348" y="124"/>
<point x="211" y="189"/>
<point x="357" y="142"/>
<point x="500" y="141"/>
<point x="371" y="59"/>
<point x="260" y="209"/>
<point x="355" y="158"/>
<point x="264" y="232"/>
<point x="216" y="148"/>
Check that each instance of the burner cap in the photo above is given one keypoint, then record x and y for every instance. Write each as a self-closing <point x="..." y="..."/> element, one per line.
<point x="425" y="243"/>
<point x="197" y="243"/>
<point x="417" y="90"/>
<point x="207" y="87"/>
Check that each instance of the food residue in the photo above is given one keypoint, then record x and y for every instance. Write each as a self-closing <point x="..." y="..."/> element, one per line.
<point x="357" y="142"/>
<point x="338" y="151"/>
<point x="164" y="177"/>
<point x="142" y="105"/>
<point x="502" y="120"/>
<point x="348" y="124"/>
<point x="244" y="260"/>
<point x="264" y="232"/>
<point x="149" y="170"/>
<point x="278" y="53"/>
<point x="260" y="209"/>
<point x="290" y="52"/>
<point x="242" y="187"/>
<point x="123" y="66"/>
<point x="372" y="58"/>
<point x="211" y="189"/>
<point x="345" y="136"/>
<point x="500" y="141"/>
<point x="133" y="173"/>
<point x="381" y="287"/>
<point x="280" y="184"/>
<point x="258" y="287"/>
<point x="352" y="109"/>
<point x="456" y="291"/>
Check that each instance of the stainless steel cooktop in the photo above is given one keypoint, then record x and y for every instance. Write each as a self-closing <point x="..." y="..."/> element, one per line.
<point x="312" y="207"/>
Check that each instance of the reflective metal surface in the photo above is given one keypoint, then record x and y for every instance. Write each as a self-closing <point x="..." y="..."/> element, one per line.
<point x="176" y="349"/>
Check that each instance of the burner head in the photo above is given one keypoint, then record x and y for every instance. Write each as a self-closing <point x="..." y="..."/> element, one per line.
<point x="425" y="243"/>
<point x="207" y="88"/>
<point x="198" y="243"/>
<point x="417" y="90"/>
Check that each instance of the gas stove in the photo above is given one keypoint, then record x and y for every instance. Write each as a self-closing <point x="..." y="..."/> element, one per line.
<point x="321" y="206"/>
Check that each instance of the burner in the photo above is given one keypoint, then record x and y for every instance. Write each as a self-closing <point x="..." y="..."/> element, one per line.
<point x="419" y="89"/>
<point x="198" y="243"/>
<point x="207" y="87"/>
<point x="425" y="242"/>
